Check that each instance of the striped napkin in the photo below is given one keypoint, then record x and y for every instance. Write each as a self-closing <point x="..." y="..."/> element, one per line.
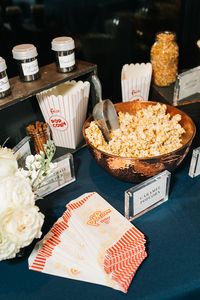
<point x="91" y="242"/>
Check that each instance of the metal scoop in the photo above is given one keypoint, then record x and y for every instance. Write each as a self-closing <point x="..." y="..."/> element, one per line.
<point x="104" y="112"/>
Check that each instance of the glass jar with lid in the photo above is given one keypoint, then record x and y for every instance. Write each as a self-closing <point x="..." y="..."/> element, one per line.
<point x="64" y="48"/>
<point x="4" y="82"/>
<point x="26" y="57"/>
<point x="164" y="58"/>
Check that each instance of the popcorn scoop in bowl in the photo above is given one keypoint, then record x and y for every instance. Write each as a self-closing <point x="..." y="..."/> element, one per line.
<point x="152" y="137"/>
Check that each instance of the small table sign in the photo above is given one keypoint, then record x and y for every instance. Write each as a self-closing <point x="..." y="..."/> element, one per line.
<point x="195" y="163"/>
<point x="22" y="150"/>
<point x="62" y="175"/>
<point x="147" y="195"/>
<point x="187" y="85"/>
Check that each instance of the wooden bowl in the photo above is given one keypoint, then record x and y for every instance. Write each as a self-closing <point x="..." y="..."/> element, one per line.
<point x="139" y="169"/>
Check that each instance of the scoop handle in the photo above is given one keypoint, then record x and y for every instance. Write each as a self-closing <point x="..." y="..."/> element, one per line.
<point x="97" y="86"/>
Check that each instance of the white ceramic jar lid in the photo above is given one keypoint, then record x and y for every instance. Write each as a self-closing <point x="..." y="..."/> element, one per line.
<point x="24" y="51"/>
<point x="3" y="66"/>
<point x="62" y="43"/>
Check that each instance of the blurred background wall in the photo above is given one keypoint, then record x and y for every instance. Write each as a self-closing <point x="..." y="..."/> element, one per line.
<point x="109" y="33"/>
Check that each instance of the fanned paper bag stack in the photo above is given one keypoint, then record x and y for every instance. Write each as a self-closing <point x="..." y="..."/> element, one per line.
<point x="135" y="81"/>
<point x="91" y="242"/>
<point x="64" y="108"/>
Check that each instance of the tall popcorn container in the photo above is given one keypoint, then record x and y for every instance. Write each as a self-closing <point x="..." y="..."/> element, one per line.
<point x="135" y="81"/>
<point x="64" y="108"/>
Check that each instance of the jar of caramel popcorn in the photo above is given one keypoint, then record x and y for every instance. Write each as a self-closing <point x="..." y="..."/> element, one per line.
<point x="164" y="58"/>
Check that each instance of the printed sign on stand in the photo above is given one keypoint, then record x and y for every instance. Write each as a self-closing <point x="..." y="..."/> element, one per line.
<point x="187" y="86"/>
<point x="62" y="175"/>
<point x="147" y="195"/>
<point x="195" y="163"/>
<point x="22" y="150"/>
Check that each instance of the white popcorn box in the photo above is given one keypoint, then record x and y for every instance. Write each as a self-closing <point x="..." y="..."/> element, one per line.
<point x="64" y="108"/>
<point x="135" y="81"/>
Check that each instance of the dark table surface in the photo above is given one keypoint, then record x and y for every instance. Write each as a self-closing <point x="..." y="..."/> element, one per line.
<point x="172" y="269"/>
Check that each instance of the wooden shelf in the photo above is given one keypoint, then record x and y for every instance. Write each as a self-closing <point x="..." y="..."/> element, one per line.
<point x="49" y="78"/>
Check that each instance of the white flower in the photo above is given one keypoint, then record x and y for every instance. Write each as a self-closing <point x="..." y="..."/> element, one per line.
<point x="40" y="165"/>
<point x="37" y="165"/>
<point x="20" y="219"/>
<point x="7" y="153"/>
<point x="23" y="173"/>
<point x="8" y="162"/>
<point x="33" y="175"/>
<point x="15" y="191"/>
<point x="22" y="225"/>
<point x="39" y="157"/>
<point x="8" y="249"/>
<point x="29" y="160"/>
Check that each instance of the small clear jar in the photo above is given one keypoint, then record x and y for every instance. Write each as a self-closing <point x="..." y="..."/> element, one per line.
<point x="26" y="57"/>
<point x="164" y="58"/>
<point x="4" y="82"/>
<point x="64" y="48"/>
<point x="40" y="134"/>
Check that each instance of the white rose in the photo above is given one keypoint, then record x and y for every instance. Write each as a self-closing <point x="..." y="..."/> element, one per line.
<point x="8" y="249"/>
<point x="7" y="153"/>
<point x="8" y="167"/>
<point x="22" y="225"/>
<point x="8" y="162"/>
<point x="15" y="191"/>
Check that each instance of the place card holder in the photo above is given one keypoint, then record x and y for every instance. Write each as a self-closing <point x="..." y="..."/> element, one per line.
<point x="187" y="86"/>
<point x="194" y="169"/>
<point x="22" y="150"/>
<point x="147" y="195"/>
<point x="62" y="175"/>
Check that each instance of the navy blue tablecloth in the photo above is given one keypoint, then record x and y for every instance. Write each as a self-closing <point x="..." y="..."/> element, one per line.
<point x="172" y="268"/>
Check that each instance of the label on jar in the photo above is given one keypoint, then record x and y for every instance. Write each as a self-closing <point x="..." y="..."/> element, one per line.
<point x="4" y="84"/>
<point x="67" y="60"/>
<point x="30" y="68"/>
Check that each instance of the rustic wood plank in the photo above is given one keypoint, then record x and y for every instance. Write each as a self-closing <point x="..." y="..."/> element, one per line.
<point x="49" y="78"/>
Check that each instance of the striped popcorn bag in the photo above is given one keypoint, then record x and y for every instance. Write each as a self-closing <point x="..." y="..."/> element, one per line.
<point x="91" y="242"/>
